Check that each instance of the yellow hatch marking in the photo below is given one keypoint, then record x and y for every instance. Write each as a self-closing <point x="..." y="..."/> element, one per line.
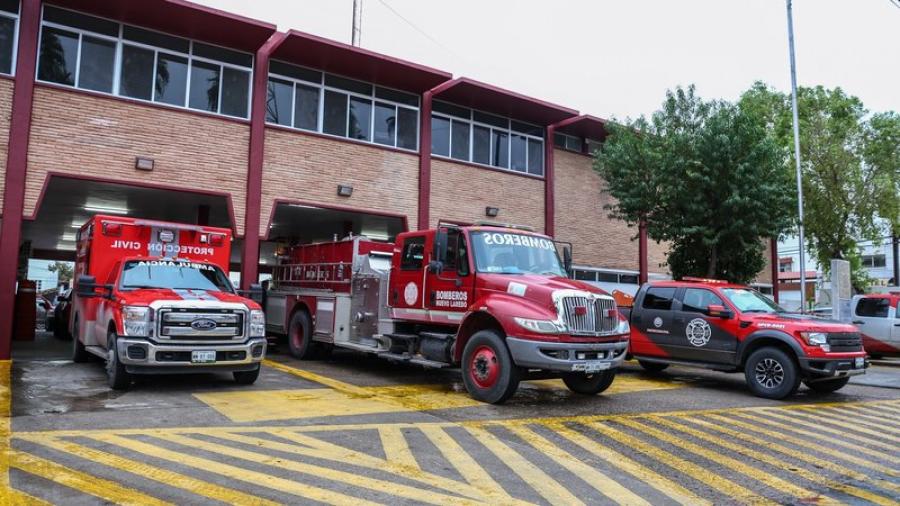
<point x="623" y="384"/>
<point x="878" y="418"/>
<point x="9" y="495"/>
<point x="851" y="424"/>
<point x="854" y="418"/>
<point x="820" y="427"/>
<point x="396" y="449"/>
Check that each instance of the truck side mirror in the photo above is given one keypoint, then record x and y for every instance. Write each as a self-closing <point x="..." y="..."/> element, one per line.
<point x="86" y="286"/>
<point x="439" y="253"/>
<point x="567" y="259"/>
<point x="256" y="293"/>
<point x="719" y="311"/>
<point x="435" y="267"/>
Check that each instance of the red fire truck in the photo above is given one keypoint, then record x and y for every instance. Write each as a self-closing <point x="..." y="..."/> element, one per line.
<point x="493" y="300"/>
<point x="163" y="303"/>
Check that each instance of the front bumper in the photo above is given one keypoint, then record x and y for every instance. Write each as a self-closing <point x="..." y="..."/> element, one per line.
<point x="141" y="356"/>
<point x="564" y="357"/>
<point x="826" y="368"/>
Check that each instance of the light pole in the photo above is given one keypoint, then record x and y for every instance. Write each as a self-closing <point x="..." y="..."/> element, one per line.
<point x="790" y="20"/>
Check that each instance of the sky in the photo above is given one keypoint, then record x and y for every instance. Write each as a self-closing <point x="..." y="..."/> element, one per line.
<point x="616" y="58"/>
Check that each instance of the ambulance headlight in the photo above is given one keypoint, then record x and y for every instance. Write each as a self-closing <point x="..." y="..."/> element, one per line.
<point x="257" y="323"/>
<point x="136" y="321"/>
<point x="541" y="326"/>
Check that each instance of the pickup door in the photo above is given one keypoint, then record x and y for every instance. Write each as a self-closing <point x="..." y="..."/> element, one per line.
<point x="698" y="336"/>
<point x="877" y="320"/>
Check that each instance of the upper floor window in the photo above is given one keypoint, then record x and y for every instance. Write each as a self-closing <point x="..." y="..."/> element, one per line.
<point x="101" y="55"/>
<point x="9" y="24"/>
<point x="568" y="142"/>
<point x="311" y="100"/>
<point x="874" y="261"/>
<point x="474" y="136"/>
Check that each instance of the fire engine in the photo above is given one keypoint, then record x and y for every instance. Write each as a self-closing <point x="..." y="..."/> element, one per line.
<point x="492" y="299"/>
<point x="163" y="303"/>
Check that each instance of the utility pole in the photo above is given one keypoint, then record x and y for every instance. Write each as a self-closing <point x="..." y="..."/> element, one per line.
<point x="356" y="29"/>
<point x="895" y="250"/>
<point x="790" y="20"/>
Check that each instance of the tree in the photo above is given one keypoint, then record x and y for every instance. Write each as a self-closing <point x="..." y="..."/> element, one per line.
<point x="850" y="168"/>
<point x="703" y="176"/>
<point x="64" y="271"/>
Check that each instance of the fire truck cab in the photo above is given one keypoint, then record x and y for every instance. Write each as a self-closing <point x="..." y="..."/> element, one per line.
<point x="153" y="297"/>
<point x="493" y="300"/>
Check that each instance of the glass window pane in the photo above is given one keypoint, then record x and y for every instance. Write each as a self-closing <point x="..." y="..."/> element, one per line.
<point x="451" y="110"/>
<point x="385" y="123"/>
<point x="397" y="96"/>
<point x="97" y="60"/>
<point x="82" y="21"/>
<point x="360" y="119"/>
<point x="407" y="128"/>
<point x="526" y="128"/>
<point x="279" y="102"/>
<point x="10" y="6"/>
<point x="559" y="140"/>
<point x="519" y="147"/>
<point x="171" y="79"/>
<point x="500" y="154"/>
<point x="593" y="146"/>
<point x="348" y="84"/>
<point x="440" y="136"/>
<point x="204" y="86"/>
<point x="7" y="36"/>
<point x="535" y="157"/>
<point x="222" y="55"/>
<point x="306" y="108"/>
<point x="57" y="56"/>
<point x="137" y="73"/>
<point x="481" y="145"/>
<point x="301" y="73"/>
<point x="235" y="92"/>
<point x="490" y="119"/>
<point x="335" y="120"/>
<point x="460" y="133"/>
<point x="156" y="39"/>
<point x="573" y="144"/>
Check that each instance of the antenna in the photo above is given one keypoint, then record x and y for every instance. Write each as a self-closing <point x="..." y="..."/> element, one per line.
<point x="356" y="29"/>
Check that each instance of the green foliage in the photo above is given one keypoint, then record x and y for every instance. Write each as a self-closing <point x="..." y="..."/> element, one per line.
<point x="705" y="177"/>
<point x="850" y="167"/>
<point x="63" y="270"/>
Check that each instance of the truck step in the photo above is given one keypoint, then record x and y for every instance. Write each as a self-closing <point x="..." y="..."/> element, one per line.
<point x="424" y="362"/>
<point x="440" y="336"/>
<point x="402" y="337"/>
<point x="100" y="351"/>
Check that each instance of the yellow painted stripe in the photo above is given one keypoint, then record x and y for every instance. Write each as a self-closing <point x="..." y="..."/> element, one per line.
<point x="892" y="417"/>
<point x="747" y="450"/>
<point x="541" y="482"/>
<point x="85" y="483"/>
<point x="893" y="408"/>
<point x="754" y="439"/>
<point x="819" y="418"/>
<point x="16" y="498"/>
<point x="863" y="419"/>
<point x="396" y="449"/>
<point x="757" y="474"/>
<point x="347" y="478"/>
<point x="727" y="487"/>
<point x="784" y="429"/>
<point x="171" y="478"/>
<point x="590" y="475"/>
<point x="340" y="386"/>
<point x="5" y="366"/>
<point x="233" y="472"/>
<point x="668" y="487"/>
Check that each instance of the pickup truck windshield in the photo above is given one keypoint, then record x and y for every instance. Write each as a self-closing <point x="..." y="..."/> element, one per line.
<point x="508" y="253"/>
<point x="751" y="301"/>
<point x="175" y="275"/>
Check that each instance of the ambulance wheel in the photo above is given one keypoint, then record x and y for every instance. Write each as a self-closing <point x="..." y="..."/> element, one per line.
<point x="828" y="386"/>
<point x="116" y="375"/>
<point x="771" y="373"/>
<point x="653" y="366"/>
<point x="488" y="371"/>
<point x="79" y="353"/>
<point x="246" y="377"/>
<point x="589" y="384"/>
<point x="300" y="336"/>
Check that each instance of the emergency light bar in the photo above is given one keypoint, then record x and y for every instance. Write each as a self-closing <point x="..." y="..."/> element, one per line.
<point x="692" y="279"/>
<point x="503" y="225"/>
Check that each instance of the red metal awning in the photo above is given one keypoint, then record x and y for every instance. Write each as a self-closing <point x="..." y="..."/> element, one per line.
<point x="485" y="97"/>
<point x="587" y="126"/>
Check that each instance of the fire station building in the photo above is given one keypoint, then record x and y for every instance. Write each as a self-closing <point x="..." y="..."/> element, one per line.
<point x="168" y="110"/>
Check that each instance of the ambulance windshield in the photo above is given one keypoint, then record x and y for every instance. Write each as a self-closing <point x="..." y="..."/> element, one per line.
<point x="506" y="253"/>
<point x="174" y="275"/>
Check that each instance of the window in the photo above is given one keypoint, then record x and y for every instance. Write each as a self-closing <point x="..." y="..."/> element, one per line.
<point x="567" y="142"/>
<point x="873" y="307"/>
<point x="582" y="275"/>
<point x="697" y="300"/>
<point x="9" y="21"/>
<point x="786" y="266"/>
<point x="659" y="299"/>
<point x="874" y="261"/>
<point x="475" y="136"/>
<point x="413" y="254"/>
<point x="593" y="146"/>
<point x="349" y="108"/>
<point x="100" y="55"/>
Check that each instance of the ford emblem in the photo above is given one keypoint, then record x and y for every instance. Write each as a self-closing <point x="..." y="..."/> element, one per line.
<point x="203" y="324"/>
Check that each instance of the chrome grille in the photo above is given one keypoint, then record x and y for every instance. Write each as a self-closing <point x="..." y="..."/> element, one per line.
<point x="178" y="323"/>
<point x="588" y="315"/>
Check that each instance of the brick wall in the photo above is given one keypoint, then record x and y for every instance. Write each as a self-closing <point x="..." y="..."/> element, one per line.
<point x="309" y="167"/>
<point x="461" y="192"/>
<point x="6" y="90"/>
<point x="78" y="133"/>
<point x="765" y="276"/>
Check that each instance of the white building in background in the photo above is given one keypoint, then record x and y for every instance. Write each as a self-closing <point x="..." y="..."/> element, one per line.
<point x="39" y="272"/>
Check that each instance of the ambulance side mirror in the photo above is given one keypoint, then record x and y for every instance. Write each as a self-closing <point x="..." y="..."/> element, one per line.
<point x="719" y="311"/>
<point x="86" y="286"/>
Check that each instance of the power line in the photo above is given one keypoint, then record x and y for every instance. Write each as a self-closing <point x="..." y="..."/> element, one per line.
<point x="895" y="3"/>
<point x="416" y="28"/>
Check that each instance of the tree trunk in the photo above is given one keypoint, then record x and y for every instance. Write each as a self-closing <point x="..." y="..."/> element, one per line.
<point x="713" y="261"/>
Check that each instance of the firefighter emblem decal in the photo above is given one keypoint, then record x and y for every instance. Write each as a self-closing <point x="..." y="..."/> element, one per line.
<point x="411" y="293"/>
<point x="698" y="332"/>
<point x="657" y="322"/>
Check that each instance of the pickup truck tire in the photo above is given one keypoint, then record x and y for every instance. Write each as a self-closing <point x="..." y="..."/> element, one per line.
<point x="300" y="341"/>
<point x="589" y="384"/>
<point x="79" y="354"/>
<point x="488" y="370"/>
<point x="828" y="386"/>
<point x="116" y="375"/>
<point x="653" y="366"/>
<point x="771" y="373"/>
<point x="246" y="377"/>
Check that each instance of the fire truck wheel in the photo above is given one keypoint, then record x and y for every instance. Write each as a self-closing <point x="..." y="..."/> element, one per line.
<point x="589" y="384"/>
<point x="79" y="354"/>
<point x="653" y="366"/>
<point x="116" y="375"/>
<point x="772" y="373"/>
<point x="300" y="336"/>
<point x="489" y="373"/>
<point x="246" y="377"/>
<point x="828" y="386"/>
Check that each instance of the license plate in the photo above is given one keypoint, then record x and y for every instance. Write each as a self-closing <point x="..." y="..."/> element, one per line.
<point x="859" y="363"/>
<point x="592" y="367"/>
<point x="203" y="357"/>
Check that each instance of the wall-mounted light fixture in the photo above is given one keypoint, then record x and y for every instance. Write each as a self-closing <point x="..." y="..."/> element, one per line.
<point x="491" y="212"/>
<point x="345" y="190"/>
<point x="143" y="163"/>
